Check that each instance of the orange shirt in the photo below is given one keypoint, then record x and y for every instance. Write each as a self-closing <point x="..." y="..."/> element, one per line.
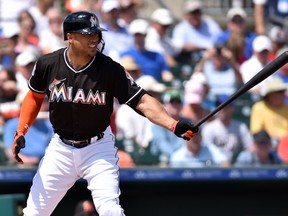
<point x="283" y="149"/>
<point x="125" y="160"/>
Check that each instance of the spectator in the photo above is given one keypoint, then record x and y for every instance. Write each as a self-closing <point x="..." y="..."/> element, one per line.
<point x="164" y="143"/>
<point x="110" y="16"/>
<point x="9" y="107"/>
<point x="282" y="149"/>
<point x="26" y="37"/>
<point x="197" y="153"/>
<point x="52" y="38"/>
<point x="137" y="3"/>
<point x="282" y="73"/>
<point x="269" y="13"/>
<point x="7" y="49"/>
<point x="24" y="65"/>
<point x="8" y="87"/>
<point x="260" y="58"/>
<point x="132" y="70"/>
<point x="271" y="112"/>
<point x="278" y="39"/>
<point x="221" y="70"/>
<point x="9" y="12"/>
<point x="38" y="137"/>
<point x="236" y="44"/>
<point x="237" y="24"/>
<point x="200" y="78"/>
<point x="194" y="95"/>
<point x="86" y="5"/>
<point x="195" y="32"/>
<point x="129" y="11"/>
<point x="262" y="152"/>
<point x="131" y="67"/>
<point x="85" y="208"/>
<point x="125" y="159"/>
<point x="152" y="63"/>
<point x="38" y="12"/>
<point x="229" y="135"/>
<point x="158" y="38"/>
<point x="134" y="130"/>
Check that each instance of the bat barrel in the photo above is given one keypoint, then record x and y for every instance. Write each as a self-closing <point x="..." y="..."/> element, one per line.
<point x="259" y="77"/>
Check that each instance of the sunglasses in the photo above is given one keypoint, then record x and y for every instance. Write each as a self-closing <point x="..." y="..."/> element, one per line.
<point x="237" y="19"/>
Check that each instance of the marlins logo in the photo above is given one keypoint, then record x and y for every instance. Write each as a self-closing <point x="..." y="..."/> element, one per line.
<point x="129" y="77"/>
<point x="94" y="21"/>
<point x="55" y="83"/>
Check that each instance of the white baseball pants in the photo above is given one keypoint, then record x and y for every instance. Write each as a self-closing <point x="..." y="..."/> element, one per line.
<point x="63" y="165"/>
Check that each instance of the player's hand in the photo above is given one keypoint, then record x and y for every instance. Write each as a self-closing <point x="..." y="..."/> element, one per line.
<point x="185" y="130"/>
<point x="18" y="143"/>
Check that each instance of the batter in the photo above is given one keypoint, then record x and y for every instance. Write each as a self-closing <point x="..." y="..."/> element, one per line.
<point x="81" y="84"/>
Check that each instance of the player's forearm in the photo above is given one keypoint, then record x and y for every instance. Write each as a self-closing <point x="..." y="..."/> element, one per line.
<point x="155" y="112"/>
<point x="29" y="110"/>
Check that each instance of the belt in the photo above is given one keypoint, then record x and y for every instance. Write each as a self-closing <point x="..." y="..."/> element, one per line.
<point x="82" y="143"/>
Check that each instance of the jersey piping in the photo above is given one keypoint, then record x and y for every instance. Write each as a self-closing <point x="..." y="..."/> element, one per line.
<point x="71" y="68"/>
<point x="133" y="96"/>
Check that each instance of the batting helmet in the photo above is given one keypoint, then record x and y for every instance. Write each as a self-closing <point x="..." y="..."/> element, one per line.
<point x="82" y="22"/>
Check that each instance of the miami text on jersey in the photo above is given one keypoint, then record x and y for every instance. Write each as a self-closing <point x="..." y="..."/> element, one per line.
<point x="66" y="95"/>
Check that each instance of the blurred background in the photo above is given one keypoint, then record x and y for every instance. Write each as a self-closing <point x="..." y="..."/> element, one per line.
<point x="204" y="52"/>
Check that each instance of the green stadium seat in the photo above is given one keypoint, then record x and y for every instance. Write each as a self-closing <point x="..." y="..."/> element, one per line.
<point x="243" y="108"/>
<point x="12" y="204"/>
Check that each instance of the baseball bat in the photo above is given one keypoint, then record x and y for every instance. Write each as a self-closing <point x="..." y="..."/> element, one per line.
<point x="259" y="77"/>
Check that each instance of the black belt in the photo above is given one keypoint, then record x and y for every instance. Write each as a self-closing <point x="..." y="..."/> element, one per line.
<point x="82" y="143"/>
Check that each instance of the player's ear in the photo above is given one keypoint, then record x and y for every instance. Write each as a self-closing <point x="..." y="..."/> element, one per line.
<point x="69" y="36"/>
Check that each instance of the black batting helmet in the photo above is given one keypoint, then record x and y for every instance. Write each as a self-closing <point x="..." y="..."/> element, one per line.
<point x="83" y="22"/>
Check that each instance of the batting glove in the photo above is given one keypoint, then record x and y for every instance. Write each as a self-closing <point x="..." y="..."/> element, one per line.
<point x="18" y="143"/>
<point x="185" y="130"/>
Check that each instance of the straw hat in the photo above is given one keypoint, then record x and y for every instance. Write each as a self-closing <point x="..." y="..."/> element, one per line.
<point x="273" y="84"/>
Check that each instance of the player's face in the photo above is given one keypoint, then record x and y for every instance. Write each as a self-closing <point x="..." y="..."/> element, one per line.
<point x="86" y="43"/>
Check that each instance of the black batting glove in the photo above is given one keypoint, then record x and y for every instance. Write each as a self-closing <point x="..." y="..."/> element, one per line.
<point x="18" y="144"/>
<point x="185" y="130"/>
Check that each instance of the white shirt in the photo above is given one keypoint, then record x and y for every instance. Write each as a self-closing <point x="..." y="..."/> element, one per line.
<point x="229" y="139"/>
<point x="116" y="42"/>
<point x="9" y="12"/>
<point x="208" y="155"/>
<point x="220" y="81"/>
<point x="131" y="125"/>
<point x="49" y="40"/>
<point x="165" y="46"/>
<point x="22" y="85"/>
<point x="41" y="20"/>
<point x="204" y="37"/>
<point x="250" y="68"/>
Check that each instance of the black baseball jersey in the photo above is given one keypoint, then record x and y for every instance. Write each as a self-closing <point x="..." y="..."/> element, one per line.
<point x="81" y="101"/>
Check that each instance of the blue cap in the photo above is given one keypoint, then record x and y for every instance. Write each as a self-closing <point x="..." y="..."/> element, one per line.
<point x="222" y="98"/>
<point x="262" y="137"/>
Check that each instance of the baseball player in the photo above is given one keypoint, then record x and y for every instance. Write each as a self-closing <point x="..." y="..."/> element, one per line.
<point x="81" y="84"/>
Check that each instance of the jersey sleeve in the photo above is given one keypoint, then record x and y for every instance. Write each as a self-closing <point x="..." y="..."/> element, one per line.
<point x="127" y="91"/>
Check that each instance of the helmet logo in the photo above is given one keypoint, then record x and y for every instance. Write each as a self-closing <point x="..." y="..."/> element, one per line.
<point x="93" y="21"/>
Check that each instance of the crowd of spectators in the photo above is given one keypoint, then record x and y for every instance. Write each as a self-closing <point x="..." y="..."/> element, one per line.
<point x="159" y="52"/>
